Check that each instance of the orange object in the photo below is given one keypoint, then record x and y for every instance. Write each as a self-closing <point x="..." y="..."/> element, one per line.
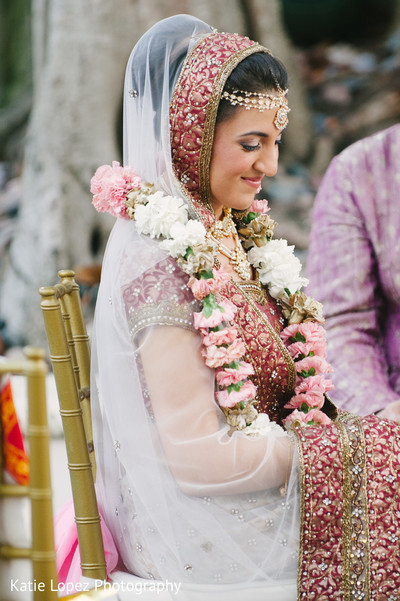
<point x="16" y="461"/>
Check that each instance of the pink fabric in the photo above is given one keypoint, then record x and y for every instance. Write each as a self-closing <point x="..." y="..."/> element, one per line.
<point x="67" y="550"/>
<point x="353" y="266"/>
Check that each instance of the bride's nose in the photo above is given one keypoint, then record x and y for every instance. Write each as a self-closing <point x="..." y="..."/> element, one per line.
<point x="267" y="161"/>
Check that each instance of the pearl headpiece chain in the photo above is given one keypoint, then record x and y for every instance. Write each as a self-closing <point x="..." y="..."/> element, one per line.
<point x="262" y="102"/>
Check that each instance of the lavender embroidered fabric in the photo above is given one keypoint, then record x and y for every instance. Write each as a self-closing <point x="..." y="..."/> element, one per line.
<point x="354" y="270"/>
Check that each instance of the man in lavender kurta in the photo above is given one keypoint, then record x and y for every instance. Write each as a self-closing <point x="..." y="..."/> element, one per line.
<point x="354" y="270"/>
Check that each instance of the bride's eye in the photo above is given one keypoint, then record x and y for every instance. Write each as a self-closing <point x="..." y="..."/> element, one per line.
<point x="251" y="147"/>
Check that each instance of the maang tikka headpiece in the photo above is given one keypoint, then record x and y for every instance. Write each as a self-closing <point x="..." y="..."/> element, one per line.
<point x="262" y="102"/>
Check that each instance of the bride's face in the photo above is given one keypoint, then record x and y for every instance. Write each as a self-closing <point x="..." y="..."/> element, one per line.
<point x="246" y="148"/>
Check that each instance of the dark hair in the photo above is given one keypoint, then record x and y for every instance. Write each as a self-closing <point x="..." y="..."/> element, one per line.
<point x="259" y="72"/>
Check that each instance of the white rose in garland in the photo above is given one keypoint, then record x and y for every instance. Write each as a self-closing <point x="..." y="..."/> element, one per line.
<point x="263" y="426"/>
<point x="157" y="217"/>
<point x="184" y="236"/>
<point x="278" y="267"/>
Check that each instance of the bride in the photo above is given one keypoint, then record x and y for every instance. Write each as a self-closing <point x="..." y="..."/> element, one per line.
<point x="220" y="457"/>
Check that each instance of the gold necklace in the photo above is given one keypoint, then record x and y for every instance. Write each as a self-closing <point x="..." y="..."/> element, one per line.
<point x="237" y="257"/>
<point x="223" y="227"/>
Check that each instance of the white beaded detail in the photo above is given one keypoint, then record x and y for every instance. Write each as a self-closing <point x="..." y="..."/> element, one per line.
<point x="262" y="102"/>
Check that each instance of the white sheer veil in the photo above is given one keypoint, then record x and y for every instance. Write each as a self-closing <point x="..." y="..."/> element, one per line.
<point x="233" y="530"/>
<point x="151" y="75"/>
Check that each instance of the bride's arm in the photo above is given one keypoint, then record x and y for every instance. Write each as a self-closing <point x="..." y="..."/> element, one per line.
<point x="202" y="456"/>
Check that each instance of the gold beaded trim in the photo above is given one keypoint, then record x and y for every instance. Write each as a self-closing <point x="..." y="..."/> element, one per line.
<point x="356" y="548"/>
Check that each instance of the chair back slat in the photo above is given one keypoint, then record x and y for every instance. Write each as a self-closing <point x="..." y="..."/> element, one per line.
<point x="42" y="552"/>
<point x="82" y="482"/>
<point x="71" y="307"/>
<point x="61" y="293"/>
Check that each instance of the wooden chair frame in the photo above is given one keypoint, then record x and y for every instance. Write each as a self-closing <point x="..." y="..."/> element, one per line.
<point x="70" y="357"/>
<point x="42" y="552"/>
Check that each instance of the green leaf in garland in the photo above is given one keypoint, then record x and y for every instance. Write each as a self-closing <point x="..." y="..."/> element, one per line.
<point x="287" y="292"/>
<point x="209" y="304"/>
<point x="218" y="328"/>
<point x="189" y="251"/>
<point x="235" y="387"/>
<point x="249" y="217"/>
<point x="207" y="274"/>
<point x="305" y="408"/>
<point x="307" y="374"/>
<point x="234" y="365"/>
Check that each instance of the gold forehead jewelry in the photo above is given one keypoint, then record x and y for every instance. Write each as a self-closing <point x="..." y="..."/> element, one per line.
<point x="262" y="102"/>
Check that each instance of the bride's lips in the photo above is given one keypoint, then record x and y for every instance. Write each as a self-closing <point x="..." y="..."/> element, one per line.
<point x="253" y="182"/>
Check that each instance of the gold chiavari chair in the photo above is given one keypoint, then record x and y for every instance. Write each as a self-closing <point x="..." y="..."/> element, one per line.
<point x="70" y="357"/>
<point x="41" y="553"/>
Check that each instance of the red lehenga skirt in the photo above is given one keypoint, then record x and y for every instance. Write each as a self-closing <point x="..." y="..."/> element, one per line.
<point x="350" y="515"/>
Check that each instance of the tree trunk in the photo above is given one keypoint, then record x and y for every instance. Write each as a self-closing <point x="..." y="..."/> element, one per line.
<point x="79" y="69"/>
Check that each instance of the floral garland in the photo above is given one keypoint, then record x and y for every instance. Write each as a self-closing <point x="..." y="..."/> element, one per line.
<point x="120" y="191"/>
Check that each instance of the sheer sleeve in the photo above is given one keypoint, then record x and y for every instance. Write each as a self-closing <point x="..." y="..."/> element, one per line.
<point x="200" y="453"/>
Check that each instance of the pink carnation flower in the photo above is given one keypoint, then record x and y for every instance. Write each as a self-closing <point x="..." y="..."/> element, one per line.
<point x="226" y="377"/>
<point x="315" y="415"/>
<point x="314" y="384"/>
<point x="295" y="416"/>
<point x="226" y="313"/>
<point x="317" y="346"/>
<point x="229" y="399"/>
<point x="229" y="309"/>
<point x="318" y="363"/>
<point x="313" y="332"/>
<point x="311" y="399"/>
<point x="221" y="277"/>
<point x="260" y="206"/>
<point x="110" y="185"/>
<point x="318" y="417"/>
<point x="301" y="348"/>
<point x="216" y="356"/>
<point x="225" y="336"/>
<point x="200" y="321"/>
<point x="201" y="288"/>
